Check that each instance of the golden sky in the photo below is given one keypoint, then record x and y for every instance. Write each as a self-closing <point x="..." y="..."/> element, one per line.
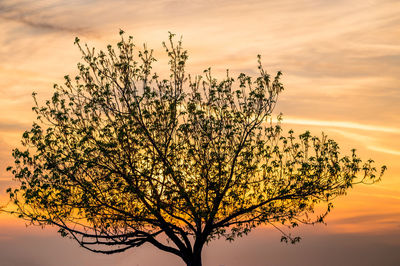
<point x="341" y="65"/>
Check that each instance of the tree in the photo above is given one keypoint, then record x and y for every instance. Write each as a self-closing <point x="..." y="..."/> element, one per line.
<point x="119" y="157"/>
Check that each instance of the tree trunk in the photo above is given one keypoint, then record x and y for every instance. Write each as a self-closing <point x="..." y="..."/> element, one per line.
<point x="195" y="259"/>
<point x="194" y="262"/>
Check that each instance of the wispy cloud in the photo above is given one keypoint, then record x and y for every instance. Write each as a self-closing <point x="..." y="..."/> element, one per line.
<point x="40" y="15"/>
<point x="384" y="150"/>
<point x="346" y="129"/>
<point x="341" y="124"/>
<point x="13" y="126"/>
<point x="368" y="218"/>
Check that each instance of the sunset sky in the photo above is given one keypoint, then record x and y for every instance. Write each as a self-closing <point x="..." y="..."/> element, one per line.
<point x="341" y="71"/>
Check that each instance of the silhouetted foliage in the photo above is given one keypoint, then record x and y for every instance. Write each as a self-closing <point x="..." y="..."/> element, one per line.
<point x="119" y="157"/>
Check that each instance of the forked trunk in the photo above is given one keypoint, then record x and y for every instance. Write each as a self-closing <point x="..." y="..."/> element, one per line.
<point x="195" y="259"/>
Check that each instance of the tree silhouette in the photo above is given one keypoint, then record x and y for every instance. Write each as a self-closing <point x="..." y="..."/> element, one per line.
<point x="119" y="157"/>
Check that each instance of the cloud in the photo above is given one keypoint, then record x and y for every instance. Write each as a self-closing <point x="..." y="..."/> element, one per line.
<point x="346" y="128"/>
<point x="41" y="15"/>
<point x="340" y="124"/>
<point x="13" y="126"/>
<point x="384" y="150"/>
<point x="371" y="218"/>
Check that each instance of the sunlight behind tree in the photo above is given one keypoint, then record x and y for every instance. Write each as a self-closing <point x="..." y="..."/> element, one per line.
<point x="119" y="157"/>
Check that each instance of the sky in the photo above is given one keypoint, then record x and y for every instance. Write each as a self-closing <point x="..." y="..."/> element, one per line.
<point x="341" y="66"/>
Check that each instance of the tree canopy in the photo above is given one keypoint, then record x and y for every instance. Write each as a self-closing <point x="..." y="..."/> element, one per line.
<point x="119" y="157"/>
